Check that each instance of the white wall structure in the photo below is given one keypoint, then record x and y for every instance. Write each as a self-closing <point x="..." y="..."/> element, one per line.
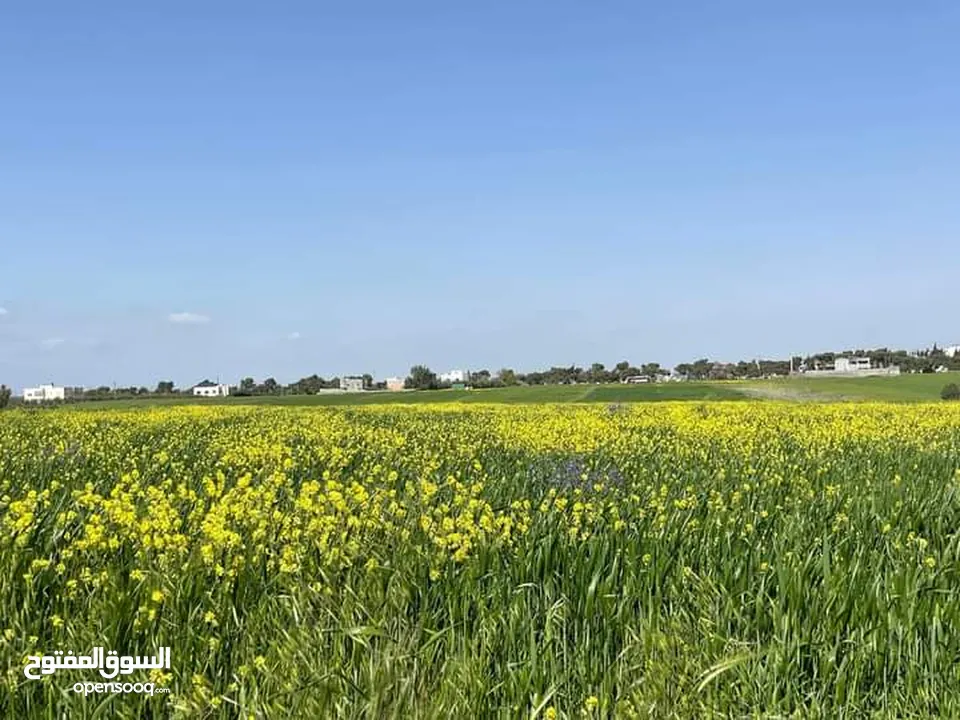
<point x="844" y="364"/>
<point x="211" y="390"/>
<point x="351" y="384"/>
<point x="454" y="376"/>
<point x="952" y="351"/>
<point x="394" y="384"/>
<point x="44" y="393"/>
<point x="849" y="367"/>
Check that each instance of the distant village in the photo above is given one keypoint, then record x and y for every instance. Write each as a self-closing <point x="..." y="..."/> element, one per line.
<point x="862" y="363"/>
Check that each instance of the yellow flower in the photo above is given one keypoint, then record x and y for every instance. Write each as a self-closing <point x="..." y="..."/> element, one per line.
<point x="550" y="713"/>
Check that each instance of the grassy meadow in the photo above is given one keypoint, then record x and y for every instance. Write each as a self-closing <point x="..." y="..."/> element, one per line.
<point x="898" y="388"/>
<point x="650" y="560"/>
<point x="903" y="388"/>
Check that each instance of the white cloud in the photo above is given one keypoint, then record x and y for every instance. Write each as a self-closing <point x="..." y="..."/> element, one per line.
<point x="187" y="318"/>
<point x="293" y="336"/>
<point x="53" y="342"/>
<point x="3" y="311"/>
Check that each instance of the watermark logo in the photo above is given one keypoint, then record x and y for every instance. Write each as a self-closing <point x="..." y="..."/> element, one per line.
<point x="109" y="664"/>
<point x="147" y="688"/>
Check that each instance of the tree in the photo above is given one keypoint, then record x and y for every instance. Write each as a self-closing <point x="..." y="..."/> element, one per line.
<point x="622" y="369"/>
<point x="421" y="378"/>
<point x="4" y="396"/>
<point x="651" y="370"/>
<point x="950" y="392"/>
<point x="247" y="386"/>
<point x="269" y="386"/>
<point x="701" y="368"/>
<point x="164" y="387"/>
<point x="367" y="381"/>
<point x="684" y="369"/>
<point x="307" y="386"/>
<point x="506" y="376"/>
<point x="480" y="378"/>
<point x="598" y="373"/>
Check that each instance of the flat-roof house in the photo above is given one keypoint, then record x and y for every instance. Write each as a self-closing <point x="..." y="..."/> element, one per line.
<point x="351" y="383"/>
<point x="44" y="393"/>
<point x="845" y="364"/>
<point x="394" y="384"/>
<point x="211" y="389"/>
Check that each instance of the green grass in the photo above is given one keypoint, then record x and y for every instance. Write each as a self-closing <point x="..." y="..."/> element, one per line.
<point x="688" y="560"/>
<point x="900" y="388"/>
<point x="510" y="395"/>
<point x="903" y="388"/>
<point x="665" y="391"/>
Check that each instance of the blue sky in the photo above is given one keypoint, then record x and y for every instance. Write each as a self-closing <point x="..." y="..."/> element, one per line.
<point x="198" y="189"/>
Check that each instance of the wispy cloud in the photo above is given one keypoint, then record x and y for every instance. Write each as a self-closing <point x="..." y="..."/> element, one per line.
<point x="293" y="336"/>
<point x="188" y="318"/>
<point x="52" y="342"/>
<point x="3" y="311"/>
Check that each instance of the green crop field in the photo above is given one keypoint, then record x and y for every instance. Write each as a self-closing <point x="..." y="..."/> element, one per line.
<point x="650" y="560"/>
<point x="900" y="388"/>
<point x="903" y="388"/>
<point x="510" y="395"/>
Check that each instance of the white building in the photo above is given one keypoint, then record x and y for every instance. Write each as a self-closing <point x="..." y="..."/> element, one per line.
<point x="454" y="376"/>
<point x="395" y="384"/>
<point x="844" y="364"/>
<point x="211" y="389"/>
<point x="44" y="393"/>
<point x="352" y="383"/>
<point x="952" y="351"/>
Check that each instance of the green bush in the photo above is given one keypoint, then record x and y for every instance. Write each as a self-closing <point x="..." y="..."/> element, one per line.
<point x="950" y="392"/>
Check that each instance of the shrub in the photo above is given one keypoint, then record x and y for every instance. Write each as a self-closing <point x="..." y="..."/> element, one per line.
<point x="950" y="392"/>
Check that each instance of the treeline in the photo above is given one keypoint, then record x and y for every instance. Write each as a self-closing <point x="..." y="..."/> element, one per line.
<point x="304" y="386"/>
<point x="921" y="361"/>
<point x="422" y="378"/>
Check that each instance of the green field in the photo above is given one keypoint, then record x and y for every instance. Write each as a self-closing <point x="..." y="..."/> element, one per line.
<point x="571" y="561"/>
<point x="901" y="388"/>
<point x="510" y="395"/>
<point x="904" y="388"/>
